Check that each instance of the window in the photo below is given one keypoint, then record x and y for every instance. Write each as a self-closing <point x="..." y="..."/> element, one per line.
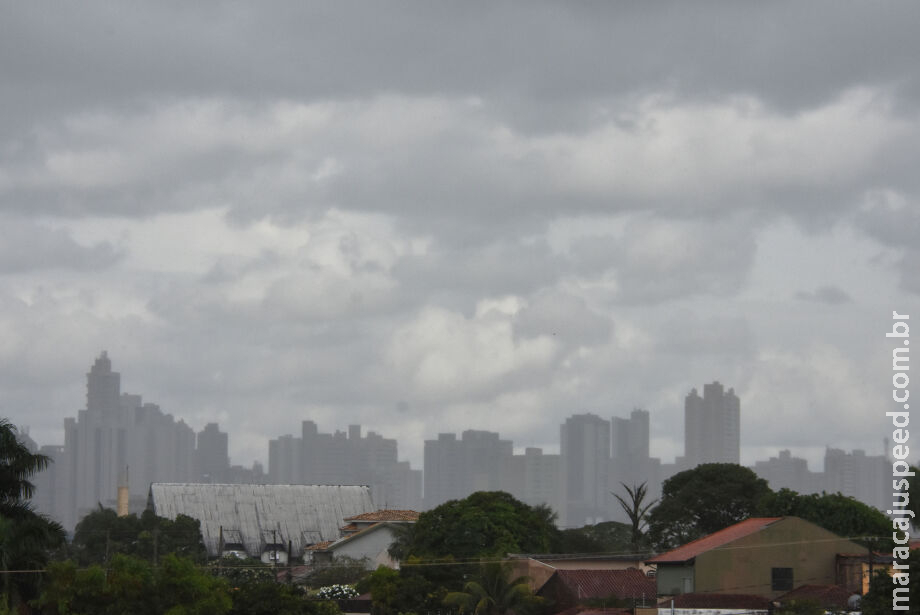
<point x="782" y="579"/>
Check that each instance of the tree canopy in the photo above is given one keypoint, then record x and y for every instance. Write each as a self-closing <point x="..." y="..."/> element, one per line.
<point x="704" y="500"/>
<point x="835" y="512"/>
<point x="484" y="524"/>
<point x="102" y="532"/>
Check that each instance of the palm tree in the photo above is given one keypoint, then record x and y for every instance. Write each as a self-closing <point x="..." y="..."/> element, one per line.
<point x="636" y="509"/>
<point x="26" y="537"/>
<point x="492" y="593"/>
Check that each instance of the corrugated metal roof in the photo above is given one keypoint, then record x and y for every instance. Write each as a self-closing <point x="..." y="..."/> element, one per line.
<point x="713" y="541"/>
<point x="298" y="513"/>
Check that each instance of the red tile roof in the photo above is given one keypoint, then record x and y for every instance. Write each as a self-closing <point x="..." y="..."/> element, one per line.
<point x="718" y="601"/>
<point x="588" y="584"/>
<point x="386" y="515"/>
<point x="713" y="541"/>
<point x="320" y="546"/>
<point x="828" y="596"/>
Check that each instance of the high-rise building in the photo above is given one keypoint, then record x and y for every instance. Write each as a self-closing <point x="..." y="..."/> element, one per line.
<point x="585" y="456"/>
<point x="861" y="476"/>
<point x="456" y="468"/>
<point x="630" y="462"/>
<point x="212" y="455"/>
<point x="534" y="478"/>
<point x="116" y="439"/>
<point x="712" y="426"/>
<point x="787" y="472"/>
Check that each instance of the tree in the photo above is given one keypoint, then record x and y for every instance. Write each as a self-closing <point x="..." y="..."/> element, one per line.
<point x="493" y="592"/>
<point x="605" y="537"/>
<point x="26" y="537"/>
<point x="482" y="525"/>
<point x="636" y="510"/>
<point x="878" y="600"/>
<point x="102" y="533"/>
<point x="835" y="512"/>
<point x="704" y="500"/>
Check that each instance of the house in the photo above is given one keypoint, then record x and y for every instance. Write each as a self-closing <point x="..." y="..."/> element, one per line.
<point x="618" y="588"/>
<point x="764" y="556"/>
<point x="854" y="571"/>
<point x="538" y="568"/>
<point x="261" y="521"/>
<point x="714" y="604"/>
<point x="830" y="597"/>
<point x="367" y="536"/>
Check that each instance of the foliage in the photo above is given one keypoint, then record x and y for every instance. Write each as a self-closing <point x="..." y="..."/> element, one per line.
<point x="414" y="589"/>
<point x="343" y="570"/>
<point x="270" y="598"/>
<point x="605" y="537"/>
<point x="26" y="537"/>
<point x="482" y="525"/>
<point x="801" y="607"/>
<point x="337" y="592"/>
<point x="242" y="571"/>
<point x="493" y="592"/>
<point x="837" y="513"/>
<point x="877" y="600"/>
<point x="186" y="590"/>
<point x="704" y="500"/>
<point x="636" y="510"/>
<point x="102" y="532"/>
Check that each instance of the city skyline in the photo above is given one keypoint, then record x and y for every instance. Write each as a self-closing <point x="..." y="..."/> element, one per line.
<point x="418" y="219"/>
<point x="118" y="440"/>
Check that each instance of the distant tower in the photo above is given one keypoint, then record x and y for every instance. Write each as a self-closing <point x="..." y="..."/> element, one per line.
<point x="585" y="456"/>
<point x="124" y="496"/>
<point x="712" y="426"/>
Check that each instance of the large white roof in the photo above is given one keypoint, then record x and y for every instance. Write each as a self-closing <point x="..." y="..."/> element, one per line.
<point x="302" y="514"/>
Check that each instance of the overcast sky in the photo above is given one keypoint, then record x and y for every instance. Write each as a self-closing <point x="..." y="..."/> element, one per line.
<point x="428" y="217"/>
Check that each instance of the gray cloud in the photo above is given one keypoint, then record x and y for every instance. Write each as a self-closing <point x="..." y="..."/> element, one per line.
<point x="831" y="295"/>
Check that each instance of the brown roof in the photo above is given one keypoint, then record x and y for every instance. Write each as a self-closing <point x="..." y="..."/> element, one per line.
<point x="588" y="610"/>
<point x="386" y="515"/>
<point x="828" y="596"/>
<point x="718" y="601"/>
<point x="351" y="527"/>
<point x="588" y="584"/>
<point x="713" y="541"/>
<point x="319" y="546"/>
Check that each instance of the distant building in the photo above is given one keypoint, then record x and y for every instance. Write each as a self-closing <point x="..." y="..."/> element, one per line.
<point x="630" y="463"/>
<point x="712" y="426"/>
<point x="585" y="453"/>
<point x="788" y="472"/>
<point x="534" y="478"/>
<point x="861" y="476"/>
<point x="456" y="468"/>
<point x="212" y="455"/>
<point x="117" y="434"/>
<point x="342" y="458"/>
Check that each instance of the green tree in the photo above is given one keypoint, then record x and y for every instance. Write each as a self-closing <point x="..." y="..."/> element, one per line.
<point x="185" y="590"/>
<point x="704" y="500"/>
<point x="493" y="592"/>
<point x="604" y="537"/>
<point x="103" y="533"/>
<point x="271" y="598"/>
<point x="636" y="510"/>
<point x="835" y="512"/>
<point x="482" y="525"/>
<point x="26" y="537"/>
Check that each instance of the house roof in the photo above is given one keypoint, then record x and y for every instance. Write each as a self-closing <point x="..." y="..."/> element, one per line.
<point x="301" y="514"/>
<point x="587" y="584"/>
<point x="335" y="544"/>
<point x="713" y="541"/>
<point x="718" y="601"/>
<point x="386" y="514"/>
<point x="588" y="610"/>
<point x="828" y="596"/>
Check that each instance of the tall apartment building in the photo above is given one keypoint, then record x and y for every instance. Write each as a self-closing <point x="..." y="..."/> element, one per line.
<point x="861" y="476"/>
<point x="456" y="468"/>
<point x="630" y="461"/>
<point x="585" y="456"/>
<point x="342" y="458"/>
<point x="712" y="426"/>
<point x="787" y="472"/>
<point x="534" y="478"/>
<point x="117" y="438"/>
<point x="212" y="455"/>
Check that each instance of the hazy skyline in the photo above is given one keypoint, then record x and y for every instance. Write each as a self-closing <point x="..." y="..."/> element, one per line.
<point x="427" y="218"/>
